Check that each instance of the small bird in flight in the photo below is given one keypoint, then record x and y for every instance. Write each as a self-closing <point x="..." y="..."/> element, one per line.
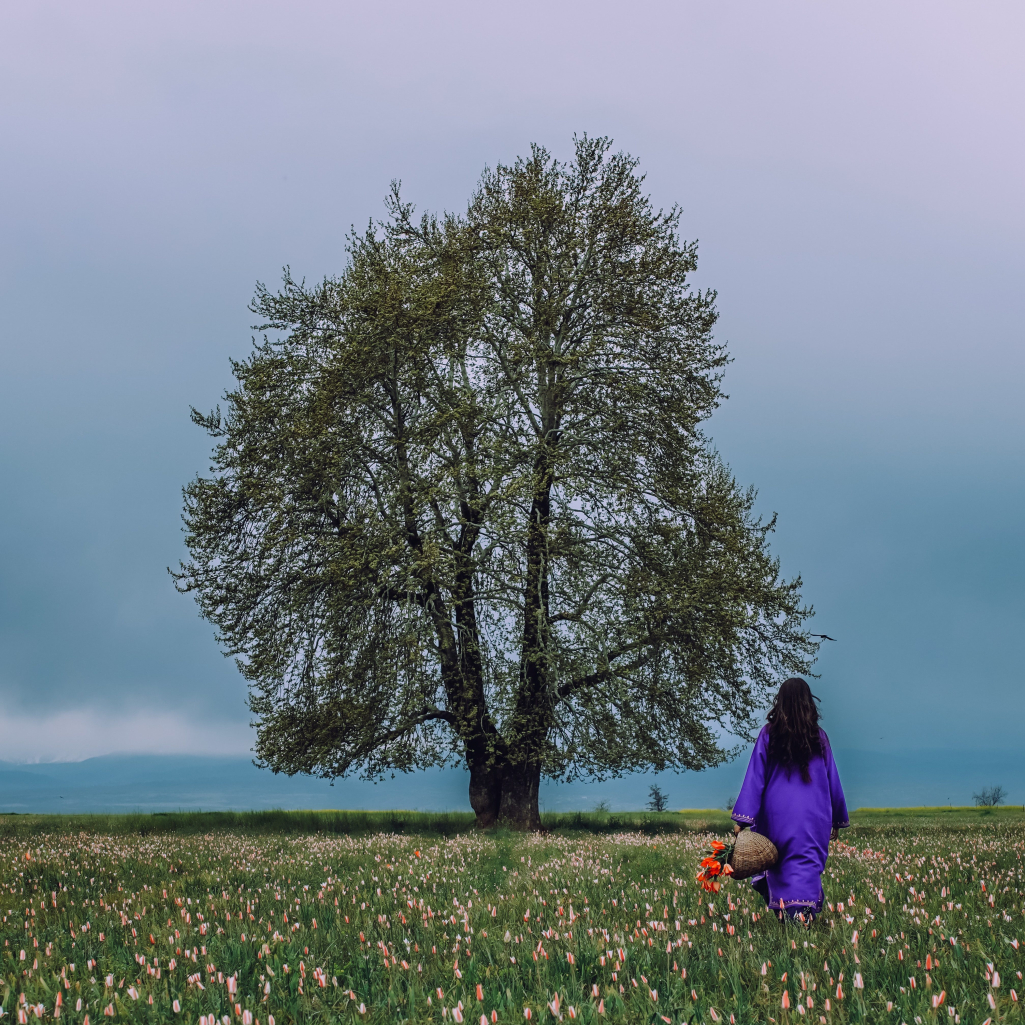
<point x="825" y="637"/>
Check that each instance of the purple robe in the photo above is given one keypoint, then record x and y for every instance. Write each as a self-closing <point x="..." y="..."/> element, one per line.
<point x="797" y="817"/>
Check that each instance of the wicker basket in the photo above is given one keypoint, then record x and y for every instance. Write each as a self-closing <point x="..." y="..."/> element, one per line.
<point x="752" y="853"/>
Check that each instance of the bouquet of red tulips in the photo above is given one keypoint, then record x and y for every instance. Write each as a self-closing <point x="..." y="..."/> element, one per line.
<point x="715" y="866"/>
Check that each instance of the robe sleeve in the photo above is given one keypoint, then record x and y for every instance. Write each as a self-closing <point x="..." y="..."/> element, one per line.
<point x="749" y="800"/>
<point x="836" y="797"/>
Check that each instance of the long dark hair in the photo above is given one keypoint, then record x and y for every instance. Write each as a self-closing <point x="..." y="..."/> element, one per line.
<point x="794" y="728"/>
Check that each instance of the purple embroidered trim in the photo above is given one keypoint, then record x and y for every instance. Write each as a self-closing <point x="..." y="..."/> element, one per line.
<point x="816" y="904"/>
<point x="742" y="818"/>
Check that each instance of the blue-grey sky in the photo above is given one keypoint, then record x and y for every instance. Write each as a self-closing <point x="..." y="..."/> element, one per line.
<point x="853" y="173"/>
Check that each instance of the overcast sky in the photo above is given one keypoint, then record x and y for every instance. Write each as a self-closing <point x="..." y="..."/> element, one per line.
<point x="853" y="173"/>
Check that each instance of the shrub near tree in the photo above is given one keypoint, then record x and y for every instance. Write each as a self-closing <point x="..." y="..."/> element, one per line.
<point x="461" y="507"/>
<point x="657" y="800"/>
<point x="990" y="797"/>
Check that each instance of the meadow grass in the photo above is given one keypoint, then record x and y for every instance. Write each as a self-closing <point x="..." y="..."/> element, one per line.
<point x="434" y="824"/>
<point x="288" y="917"/>
<point x="918" y="818"/>
<point x="413" y="823"/>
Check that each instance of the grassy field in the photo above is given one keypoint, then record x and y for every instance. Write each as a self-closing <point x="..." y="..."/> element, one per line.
<point x="283" y="917"/>
<point x="412" y="823"/>
<point x="415" y="823"/>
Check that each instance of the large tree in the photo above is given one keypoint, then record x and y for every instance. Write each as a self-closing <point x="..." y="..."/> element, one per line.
<point x="461" y="506"/>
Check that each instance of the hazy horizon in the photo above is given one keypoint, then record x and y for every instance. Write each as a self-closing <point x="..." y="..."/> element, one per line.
<point x="123" y="783"/>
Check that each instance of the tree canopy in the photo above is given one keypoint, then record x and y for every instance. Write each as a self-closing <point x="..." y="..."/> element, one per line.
<point x="461" y="506"/>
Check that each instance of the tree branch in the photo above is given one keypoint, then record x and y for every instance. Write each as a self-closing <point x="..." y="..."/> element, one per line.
<point x="426" y="716"/>
<point x="583" y="682"/>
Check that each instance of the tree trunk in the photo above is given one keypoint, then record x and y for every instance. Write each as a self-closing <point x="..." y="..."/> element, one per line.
<point x="520" y="787"/>
<point x="485" y="791"/>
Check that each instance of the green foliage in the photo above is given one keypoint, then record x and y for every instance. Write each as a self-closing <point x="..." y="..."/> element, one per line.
<point x="110" y="922"/>
<point x="462" y="507"/>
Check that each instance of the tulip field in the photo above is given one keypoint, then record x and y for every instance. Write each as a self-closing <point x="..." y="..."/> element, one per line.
<point x="920" y="926"/>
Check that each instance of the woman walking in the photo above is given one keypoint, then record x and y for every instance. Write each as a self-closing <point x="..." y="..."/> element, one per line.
<point x="792" y="795"/>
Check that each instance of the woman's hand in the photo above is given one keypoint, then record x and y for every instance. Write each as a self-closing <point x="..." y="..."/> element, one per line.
<point x="736" y="828"/>
<point x="834" y="833"/>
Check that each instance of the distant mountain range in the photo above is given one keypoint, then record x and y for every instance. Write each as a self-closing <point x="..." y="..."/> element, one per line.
<point x="123" y="783"/>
